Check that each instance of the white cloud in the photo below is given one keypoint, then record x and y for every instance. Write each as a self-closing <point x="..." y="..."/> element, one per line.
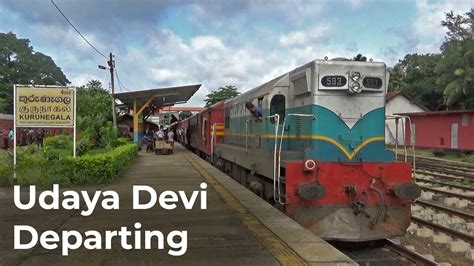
<point x="207" y="43"/>
<point x="298" y="38"/>
<point x="355" y="3"/>
<point x="427" y="25"/>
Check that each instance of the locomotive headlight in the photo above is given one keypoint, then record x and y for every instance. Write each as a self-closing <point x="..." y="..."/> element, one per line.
<point x="309" y="165"/>
<point x="355" y="76"/>
<point x="355" y="88"/>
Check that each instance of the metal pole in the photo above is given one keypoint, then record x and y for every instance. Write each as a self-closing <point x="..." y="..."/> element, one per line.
<point x="14" y="131"/>
<point x="74" y="141"/>
<point x="396" y="138"/>
<point x="111" y="64"/>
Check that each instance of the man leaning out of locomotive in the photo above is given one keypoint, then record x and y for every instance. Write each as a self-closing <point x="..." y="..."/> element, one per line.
<point x="255" y="111"/>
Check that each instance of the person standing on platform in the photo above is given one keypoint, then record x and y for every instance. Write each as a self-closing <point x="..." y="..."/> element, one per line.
<point x="171" y="138"/>
<point x="10" y="136"/>
<point x="160" y="134"/>
<point x="40" y="138"/>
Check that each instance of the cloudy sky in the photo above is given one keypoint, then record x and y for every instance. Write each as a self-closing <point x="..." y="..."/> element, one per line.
<point x="221" y="42"/>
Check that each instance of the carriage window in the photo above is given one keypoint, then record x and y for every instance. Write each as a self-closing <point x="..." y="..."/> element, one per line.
<point x="259" y="102"/>
<point x="277" y="106"/>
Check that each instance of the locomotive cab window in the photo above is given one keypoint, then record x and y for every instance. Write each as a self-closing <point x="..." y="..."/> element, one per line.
<point x="227" y="118"/>
<point x="277" y="106"/>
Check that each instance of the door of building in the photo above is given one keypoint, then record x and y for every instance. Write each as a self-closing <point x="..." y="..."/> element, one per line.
<point x="454" y="136"/>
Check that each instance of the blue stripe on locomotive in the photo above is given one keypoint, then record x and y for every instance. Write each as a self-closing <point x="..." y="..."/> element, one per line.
<point x="327" y="138"/>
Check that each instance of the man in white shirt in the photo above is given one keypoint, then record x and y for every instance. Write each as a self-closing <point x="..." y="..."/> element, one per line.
<point x="171" y="138"/>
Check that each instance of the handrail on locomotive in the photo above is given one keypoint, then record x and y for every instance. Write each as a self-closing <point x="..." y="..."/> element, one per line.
<point x="277" y="160"/>
<point x="412" y="138"/>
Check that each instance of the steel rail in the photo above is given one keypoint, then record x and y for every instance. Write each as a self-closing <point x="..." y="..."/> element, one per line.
<point x="449" y="211"/>
<point x="444" y="162"/>
<point x="443" y="184"/>
<point x="444" y="229"/>
<point x="451" y="194"/>
<point x="444" y="171"/>
<point x="413" y="256"/>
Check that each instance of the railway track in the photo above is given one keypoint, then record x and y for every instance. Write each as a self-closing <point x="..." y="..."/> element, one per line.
<point x="446" y="210"/>
<point x="444" y="184"/>
<point x="444" y="169"/>
<point x="382" y="252"/>
<point x="443" y="229"/>
<point x="454" y="173"/>
<point x="409" y="254"/>
<point x="447" y="193"/>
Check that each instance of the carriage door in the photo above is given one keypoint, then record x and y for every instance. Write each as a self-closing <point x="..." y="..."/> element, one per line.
<point x="277" y="106"/>
<point x="454" y="136"/>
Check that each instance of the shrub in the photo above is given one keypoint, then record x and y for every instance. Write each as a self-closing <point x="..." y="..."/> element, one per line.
<point x="6" y="170"/>
<point x="42" y="170"/>
<point x="99" y="168"/>
<point x="62" y="141"/>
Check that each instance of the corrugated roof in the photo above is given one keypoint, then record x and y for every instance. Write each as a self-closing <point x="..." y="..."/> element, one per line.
<point x="162" y="96"/>
<point x="392" y="94"/>
<point x="181" y="108"/>
<point x="6" y="116"/>
<point x="445" y="112"/>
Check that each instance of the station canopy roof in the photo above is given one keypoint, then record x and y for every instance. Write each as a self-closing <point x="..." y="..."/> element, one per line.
<point x="161" y="96"/>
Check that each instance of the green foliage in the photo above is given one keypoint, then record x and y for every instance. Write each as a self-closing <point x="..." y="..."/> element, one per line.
<point x="99" y="168"/>
<point x="443" y="80"/>
<point x="221" y="94"/>
<point x="62" y="141"/>
<point x="94" y="118"/>
<point x="456" y="74"/>
<point x="185" y="114"/>
<point x="459" y="27"/>
<point x="20" y="64"/>
<point x="416" y="76"/>
<point x="456" y="67"/>
<point x="36" y="168"/>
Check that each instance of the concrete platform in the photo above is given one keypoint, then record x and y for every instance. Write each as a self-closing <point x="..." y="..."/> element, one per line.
<point x="237" y="228"/>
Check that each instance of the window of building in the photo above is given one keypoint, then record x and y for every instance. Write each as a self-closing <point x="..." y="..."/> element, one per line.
<point x="277" y="106"/>
<point x="441" y="141"/>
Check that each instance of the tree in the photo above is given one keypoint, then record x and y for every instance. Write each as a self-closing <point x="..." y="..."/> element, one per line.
<point x="459" y="26"/>
<point x="94" y="119"/>
<point x="20" y="64"/>
<point x="397" y="78"/>
<point x="221" y="94"/>
<point x="415" y="75"/>
<point x="185" y="114"/>
<point x="456" y="66"/>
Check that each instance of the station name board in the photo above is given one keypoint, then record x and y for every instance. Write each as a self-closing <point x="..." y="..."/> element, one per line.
<point x="44" y="106"/>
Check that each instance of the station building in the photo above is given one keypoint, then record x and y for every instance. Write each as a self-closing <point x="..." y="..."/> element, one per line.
<point x="442" y="130"/>
<point x="399" y="102"/>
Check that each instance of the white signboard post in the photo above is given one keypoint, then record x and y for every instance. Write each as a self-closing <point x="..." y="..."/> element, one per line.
<point x="43" y="107"/>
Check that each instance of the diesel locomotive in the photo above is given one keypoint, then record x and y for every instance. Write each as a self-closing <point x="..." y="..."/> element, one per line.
<point x="317" y="152"/>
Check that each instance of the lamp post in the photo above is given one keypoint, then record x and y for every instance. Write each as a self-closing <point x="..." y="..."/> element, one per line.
<point x="111" y="64"/>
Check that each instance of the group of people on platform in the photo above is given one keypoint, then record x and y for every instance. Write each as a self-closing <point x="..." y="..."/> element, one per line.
<point x="26" y="137"/>
<point x="159" y="134"/>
